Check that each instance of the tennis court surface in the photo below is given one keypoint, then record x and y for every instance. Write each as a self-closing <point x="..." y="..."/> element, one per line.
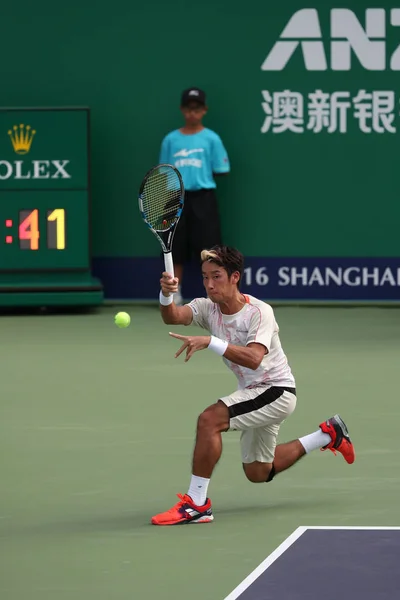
<point x="96" y="434"/>
<point x="354" y="563"/>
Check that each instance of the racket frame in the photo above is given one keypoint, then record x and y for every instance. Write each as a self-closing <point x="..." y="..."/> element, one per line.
<point x="165" y="237"/>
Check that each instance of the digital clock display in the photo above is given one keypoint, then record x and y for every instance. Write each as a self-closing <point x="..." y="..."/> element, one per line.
<point x="29" y="235"/>
<point x="44" y="190"/>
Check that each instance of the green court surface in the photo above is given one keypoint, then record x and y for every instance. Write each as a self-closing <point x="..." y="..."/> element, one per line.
<point x="97" y="428"/>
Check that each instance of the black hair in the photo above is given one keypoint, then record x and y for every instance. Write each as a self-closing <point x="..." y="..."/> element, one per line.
<point x="227" y="257"/>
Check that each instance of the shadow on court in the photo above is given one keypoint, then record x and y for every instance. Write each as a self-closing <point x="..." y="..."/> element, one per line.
<point x="139" y="523"/>
<point x="273" y="510"/>
<point x="315" y="563"/>
<point x="127" y="523"/>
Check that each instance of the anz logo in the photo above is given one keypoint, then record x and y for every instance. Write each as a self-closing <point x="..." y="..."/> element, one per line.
<point x="347" y="35"/>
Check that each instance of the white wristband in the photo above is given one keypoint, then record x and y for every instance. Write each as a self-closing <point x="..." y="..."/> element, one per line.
<point x="165" y="300"/>
<point x="219" y="346"/>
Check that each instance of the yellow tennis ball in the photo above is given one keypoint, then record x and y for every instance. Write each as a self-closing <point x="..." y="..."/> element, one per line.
<point x="122" y="319"/>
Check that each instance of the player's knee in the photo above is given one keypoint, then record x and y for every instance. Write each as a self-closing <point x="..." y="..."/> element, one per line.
<point x="258" y="472"/>
<point x="205" y="421"/>
<point x="253" y="472"/>
<point x="271" y="473"/>
<point x="213" y="418"/>
<point x="253" y="477"/>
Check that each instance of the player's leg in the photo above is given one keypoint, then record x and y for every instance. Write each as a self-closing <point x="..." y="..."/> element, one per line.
<point x="257" y="464"/>
<point x="208" y="449"/>
<point x="331" y="435"/>
<point x="262" y="459"/>
<point x="258" y="413"/>
<point x="195" y="507"/>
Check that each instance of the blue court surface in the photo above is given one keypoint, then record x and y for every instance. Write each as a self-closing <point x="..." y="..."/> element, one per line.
<point x="315" y="563"/>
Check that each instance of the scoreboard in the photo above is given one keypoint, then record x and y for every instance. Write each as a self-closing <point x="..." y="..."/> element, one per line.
<point x="45" y="207"/>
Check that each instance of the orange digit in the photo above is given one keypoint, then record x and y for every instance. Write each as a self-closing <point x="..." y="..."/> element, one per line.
<point x="29" y="229"/>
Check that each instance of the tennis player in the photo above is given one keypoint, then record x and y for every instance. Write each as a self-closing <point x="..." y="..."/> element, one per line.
<point x="200" y="156"/>
<point x="243" y="330"/>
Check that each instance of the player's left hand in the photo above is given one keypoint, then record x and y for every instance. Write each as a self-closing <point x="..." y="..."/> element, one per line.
<point x="191" y="343"/>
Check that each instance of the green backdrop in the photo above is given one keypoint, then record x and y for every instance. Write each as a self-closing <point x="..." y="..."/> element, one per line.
<point x="306" y="194"/>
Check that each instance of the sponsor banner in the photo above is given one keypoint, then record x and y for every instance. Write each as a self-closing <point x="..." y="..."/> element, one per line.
<point x="349" y="39"/>
<point x="372" y="111"/>
<point x="285" y="278"/>
<point x="365" y="42"/>
<point x="44" y="149"/>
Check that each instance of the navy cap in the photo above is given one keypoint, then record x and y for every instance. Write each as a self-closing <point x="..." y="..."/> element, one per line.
<point x="193" y="95"/>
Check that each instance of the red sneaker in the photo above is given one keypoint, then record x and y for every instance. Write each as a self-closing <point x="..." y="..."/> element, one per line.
<point x="341" y="441"/>
<point x="185" y="511"/>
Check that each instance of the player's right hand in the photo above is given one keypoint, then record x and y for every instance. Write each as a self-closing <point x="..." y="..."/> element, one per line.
<point x="169" y="285"/>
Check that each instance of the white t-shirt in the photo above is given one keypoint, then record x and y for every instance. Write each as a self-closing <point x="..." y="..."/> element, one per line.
<point x="255" y="322"/>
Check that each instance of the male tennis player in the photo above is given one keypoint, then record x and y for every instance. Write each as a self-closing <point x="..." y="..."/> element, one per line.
<point x="199" y="154"/>
<point x="245" y="333"/>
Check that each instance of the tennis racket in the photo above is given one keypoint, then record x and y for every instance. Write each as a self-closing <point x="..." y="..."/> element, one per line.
<point x="161" y="198"/>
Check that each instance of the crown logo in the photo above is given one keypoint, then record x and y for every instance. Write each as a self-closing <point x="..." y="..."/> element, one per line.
<point x="21" y="138"/>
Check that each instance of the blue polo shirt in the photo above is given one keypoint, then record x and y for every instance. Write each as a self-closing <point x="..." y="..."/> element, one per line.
<point x="196" y="156"/>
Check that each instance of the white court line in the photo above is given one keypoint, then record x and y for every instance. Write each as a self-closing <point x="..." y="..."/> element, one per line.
<point x="355" y="527"/>
<point x="266" y="563"/>
<point x="246" y="583"/>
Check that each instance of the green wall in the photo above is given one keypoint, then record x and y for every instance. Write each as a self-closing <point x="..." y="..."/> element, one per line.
<point x="310" y="194"/>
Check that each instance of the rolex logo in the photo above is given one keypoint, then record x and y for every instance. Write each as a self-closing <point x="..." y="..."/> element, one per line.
<point x="21" y="138"/>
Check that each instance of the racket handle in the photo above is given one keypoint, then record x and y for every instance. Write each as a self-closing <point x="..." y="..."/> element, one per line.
<point x="169" y="264"/>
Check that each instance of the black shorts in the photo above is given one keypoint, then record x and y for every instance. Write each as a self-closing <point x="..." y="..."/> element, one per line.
<point x="198" y="228"/>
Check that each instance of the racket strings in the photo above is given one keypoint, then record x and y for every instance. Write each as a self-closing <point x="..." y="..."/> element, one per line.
<point x="162" y="199"/>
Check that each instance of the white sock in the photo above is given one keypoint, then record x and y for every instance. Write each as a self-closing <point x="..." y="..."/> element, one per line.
<point x="198" y="490"/>
<point x="315" y="440"/>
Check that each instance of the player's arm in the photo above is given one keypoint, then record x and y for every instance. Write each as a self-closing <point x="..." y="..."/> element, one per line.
<point x="172" y="314"/>
<point x="258" y="341"/>
<point x="249" y="356"/>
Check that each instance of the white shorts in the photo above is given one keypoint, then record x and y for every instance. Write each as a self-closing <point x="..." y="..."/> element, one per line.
<point x="258" y="413"/>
